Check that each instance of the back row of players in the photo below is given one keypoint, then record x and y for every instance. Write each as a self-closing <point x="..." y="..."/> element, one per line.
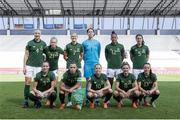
<point x="98" y="84"/>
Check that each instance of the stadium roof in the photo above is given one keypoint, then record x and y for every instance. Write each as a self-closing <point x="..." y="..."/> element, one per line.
<point x="90" y="7"/>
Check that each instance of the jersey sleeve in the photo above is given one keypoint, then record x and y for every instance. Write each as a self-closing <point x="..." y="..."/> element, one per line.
<point x="133" y="78"/>
<point x="45" y="50"/>
<point x="81" y="49"/>
<point x="132" y="51"/>
<point x="147" y="51"/>
<point x="64" y="77"/>
<point x="105" y="77"/>
<point x="79" y="79"/>
<point x="139" y="78"/>
<point x="61" y="51"/>
<point x="37" y="78"/>
<point x="66" y="49"/>
<point x="90" y="79"/>
<point x="99" y="49"/>
<point x="122" y="51"/>
<point x="117" y="78"/>
<point x="28" y="47"/>
<point x="106" y="53"/>
<point x="44" y="45"/>
<point x="52" y="77"/>
<point x="83" y="45"/>
<point x="154" y="77"/>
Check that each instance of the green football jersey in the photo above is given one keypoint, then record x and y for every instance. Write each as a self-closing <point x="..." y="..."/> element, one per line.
<point x="52" y="56"/>
<point x="140" y="56"/>
<point x="73" y="53"/>
<point x="71" y="79"/>
<point x="35" y="48"/>
<point x="147" y="80"/>
<point x="98" y="82"/>
<point x="125" y="82"/>
<point x="113" y="54"/>
<point x="44" y="80"/>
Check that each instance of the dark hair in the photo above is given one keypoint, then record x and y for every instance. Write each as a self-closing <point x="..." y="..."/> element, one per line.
<point x="113" y="33"/>
<point x="142" y="38"/>
<point x="45" y="62"/>
<point x="90" y="29"/>
<point x="97" y="65"/>
<point x="125" y="63"/>
<point x="73" y="62"/>
<point x="150" y="69"/>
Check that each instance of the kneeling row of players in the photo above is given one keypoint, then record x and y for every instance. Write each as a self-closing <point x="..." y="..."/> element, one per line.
<point x="98" y="86"/>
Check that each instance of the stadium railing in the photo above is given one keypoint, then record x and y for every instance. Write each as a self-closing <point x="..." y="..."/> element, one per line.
<point x="108" y="32"/>
<point x="170" y="32"/>
<point x="83" y="32"/>
<point x="3" y="32"/>
<point x="44" y="32"/>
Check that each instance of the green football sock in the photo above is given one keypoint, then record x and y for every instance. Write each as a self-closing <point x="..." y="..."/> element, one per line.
<point x="52" y="97"/>
<point x="69" y="96"/>
<point x="61" y="97"/>
<point x="33" y="97"/>
<point x="26" y="91"/>
<point x="108" y="96"/>
<point x="154" y="97"/>
<point x="140" y="98"/>
<point x="117" y="98"/>
<point x="91" y="99"/>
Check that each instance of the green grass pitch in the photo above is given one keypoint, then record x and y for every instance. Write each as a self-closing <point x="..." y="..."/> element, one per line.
<point x="168" y="104"/>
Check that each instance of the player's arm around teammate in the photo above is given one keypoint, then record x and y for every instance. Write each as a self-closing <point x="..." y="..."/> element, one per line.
<point x="126" y="87"/>
<point x="99" y="86"/>
<point x="43" y="86"/>
<point x="147" y="82"/>
<point x="70" y="81"/>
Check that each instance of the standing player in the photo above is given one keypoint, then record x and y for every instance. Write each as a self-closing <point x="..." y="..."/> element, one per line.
<point x="114" y="53"/>
<point x="52" y="53"/>
<point x="148" y="85"/>
<point x="70" y="81"/>
<point x="99" y="86"/>
<point x="32" y="62"/>
<point x="126" y="87"/>
<point x="43" y="86"/>
<point x="139" y="55"/>
<point x="73" y="52"/>
<point x="92" y="49"/>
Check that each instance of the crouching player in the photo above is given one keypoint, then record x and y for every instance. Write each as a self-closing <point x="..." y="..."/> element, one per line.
<point x="126" y="87"/>
<point x="99" y="86"/>
<point x="43" y="87"/>
<point x="70" y="81"/>
<point x="148" y="85"/>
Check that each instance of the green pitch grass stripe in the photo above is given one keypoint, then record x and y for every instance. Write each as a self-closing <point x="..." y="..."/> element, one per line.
<point x="18" y="78"/>
<point x="11" y="98"/>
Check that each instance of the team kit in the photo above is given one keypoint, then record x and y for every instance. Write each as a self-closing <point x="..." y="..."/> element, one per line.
<point x="40" y="65"/>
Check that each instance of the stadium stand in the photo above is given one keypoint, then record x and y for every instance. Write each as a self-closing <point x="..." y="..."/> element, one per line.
<point x="164" y="49"/>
